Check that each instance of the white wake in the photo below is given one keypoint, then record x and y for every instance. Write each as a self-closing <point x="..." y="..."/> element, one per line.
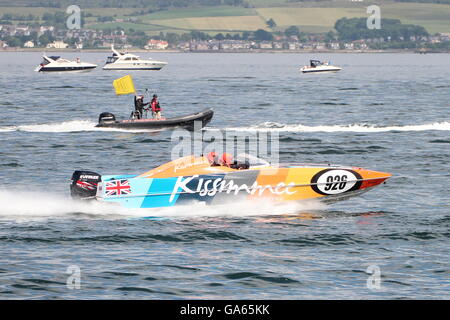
<point x="87" y="125"/>
<point x="66" y="126"/>
<point x="35" y="205"/>
<point x="274" y="126"/>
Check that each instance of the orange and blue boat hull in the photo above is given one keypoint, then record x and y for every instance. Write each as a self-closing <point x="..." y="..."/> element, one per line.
<point x="164" y="188"/>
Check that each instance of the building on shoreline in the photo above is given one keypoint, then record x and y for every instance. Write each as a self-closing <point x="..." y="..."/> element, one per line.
<point x="153" y="44"/>
<point x="29" y="44"/>
<point x="57" y="45"/>
<point x="13" y="36"/>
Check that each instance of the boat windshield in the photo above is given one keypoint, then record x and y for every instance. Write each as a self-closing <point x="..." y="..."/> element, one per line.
<point x="111" y="59"/>
<point x="251" y="161"/>
<point x="315" y="63"/>
<point x="44" y="62"/>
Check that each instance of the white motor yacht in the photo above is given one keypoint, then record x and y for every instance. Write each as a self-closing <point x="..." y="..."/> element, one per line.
<point x="56" y="63"/>
<point x="318" y="66"/>
<point x="128" y="61"/>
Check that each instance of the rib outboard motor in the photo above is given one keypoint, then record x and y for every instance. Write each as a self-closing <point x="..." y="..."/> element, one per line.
<point x="106" y="117"/>
<point x="84" y="184"/>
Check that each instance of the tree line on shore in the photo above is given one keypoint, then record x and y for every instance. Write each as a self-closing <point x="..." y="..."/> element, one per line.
<point x="392" y="34"/>
<point x="390" y="30"/>
<point x="156" y="4"/>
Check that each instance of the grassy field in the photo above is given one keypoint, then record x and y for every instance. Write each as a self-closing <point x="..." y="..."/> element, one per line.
<point x="26" y="11"/>
<point x="222" y="11"/>
<point x="151" y="29"/>
<point x="267" y="3"/>
<point x="39" y="11"/>
<point x="309" y="16"/>
<point x="241" y="23"/>
<point x="434" y="17"/>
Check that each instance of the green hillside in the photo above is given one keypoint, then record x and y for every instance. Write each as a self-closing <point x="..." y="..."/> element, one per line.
<point x="314" y="17"/>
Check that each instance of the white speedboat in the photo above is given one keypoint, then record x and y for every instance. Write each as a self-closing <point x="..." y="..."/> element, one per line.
<point x="318" y="66"/>
<point x="56" y="63"/>
<point x="128" y="61"/>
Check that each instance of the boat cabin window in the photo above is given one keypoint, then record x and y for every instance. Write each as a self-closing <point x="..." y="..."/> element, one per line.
<point x="111" y="59"/>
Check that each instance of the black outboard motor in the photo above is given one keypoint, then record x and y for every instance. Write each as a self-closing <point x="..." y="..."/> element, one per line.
<point x="84" y="184"/>
<point x="106" y="117"/>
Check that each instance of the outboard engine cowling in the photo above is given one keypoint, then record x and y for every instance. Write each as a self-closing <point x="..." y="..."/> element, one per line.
<point x="106" y="117"/>
<point x="84" y="184"/>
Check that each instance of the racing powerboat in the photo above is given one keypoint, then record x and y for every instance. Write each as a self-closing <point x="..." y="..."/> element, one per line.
<point x="128" y="61"/>
<point x="197" y="179"/>
<point x="58" y="64"/>
<point x="108" y="120"/>
<point x="316" y="66"/>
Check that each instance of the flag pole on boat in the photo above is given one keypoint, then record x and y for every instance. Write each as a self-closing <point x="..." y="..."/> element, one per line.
<point x="125" y="85"/>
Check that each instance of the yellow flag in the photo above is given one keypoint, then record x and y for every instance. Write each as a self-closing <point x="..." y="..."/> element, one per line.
<point x="124" y="85"/>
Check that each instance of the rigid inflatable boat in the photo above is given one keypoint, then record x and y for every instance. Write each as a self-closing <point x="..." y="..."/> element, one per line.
<point x="108" y="120"/>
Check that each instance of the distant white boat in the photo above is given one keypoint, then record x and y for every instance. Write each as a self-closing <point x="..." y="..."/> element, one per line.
<point x="56" y="63"/>
<point x="128" y="61"/>
<point x="318" y="66"/>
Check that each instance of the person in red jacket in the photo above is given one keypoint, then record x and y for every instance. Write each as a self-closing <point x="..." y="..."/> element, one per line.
<point x="156" y="108"/>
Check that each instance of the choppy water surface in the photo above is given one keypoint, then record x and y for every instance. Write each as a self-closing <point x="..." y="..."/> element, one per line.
<point x="387" y="112"/>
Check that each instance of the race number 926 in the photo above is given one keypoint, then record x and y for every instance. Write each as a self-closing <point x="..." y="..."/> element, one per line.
<point x="335" y="181"/>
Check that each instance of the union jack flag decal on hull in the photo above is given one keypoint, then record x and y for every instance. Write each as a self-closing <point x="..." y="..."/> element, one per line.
<point x="117" y="188"/>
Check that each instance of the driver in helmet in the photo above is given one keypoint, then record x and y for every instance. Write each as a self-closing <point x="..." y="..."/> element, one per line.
<point x="213" y="159"/>
<point x="226" y="160"/>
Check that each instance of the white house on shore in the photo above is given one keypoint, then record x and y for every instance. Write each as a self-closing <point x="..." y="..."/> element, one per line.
<point x="29" y="44"/>
<point x="157" y="44"/>
<point x="57" y="45"/>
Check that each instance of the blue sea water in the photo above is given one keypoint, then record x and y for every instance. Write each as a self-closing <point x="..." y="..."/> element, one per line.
<point x="386" y="112"/>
